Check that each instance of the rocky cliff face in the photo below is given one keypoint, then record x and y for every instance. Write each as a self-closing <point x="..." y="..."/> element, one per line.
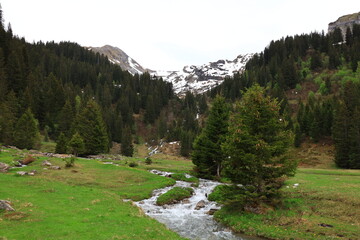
<point x="344" y="22"/>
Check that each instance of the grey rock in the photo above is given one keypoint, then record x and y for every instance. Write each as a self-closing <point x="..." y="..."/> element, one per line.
<point x="6" y="205"/>
<point x="4" y="167"/>
<point x="46" y="163"/>
<point x="55" y="167"/>
<point x="22" y="173"/>
<point x="212" y="211"/>
<point x="200" y="204"/>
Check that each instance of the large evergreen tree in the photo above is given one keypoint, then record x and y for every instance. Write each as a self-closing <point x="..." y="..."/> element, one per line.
<point x="257" y="142"/>
<point x="91" y="127"/>
<point x="26" y="133"/>
<point x="127" y="147"/>
<point x="207" y="154"/>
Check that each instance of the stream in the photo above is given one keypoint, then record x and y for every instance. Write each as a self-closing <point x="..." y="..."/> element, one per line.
<point x="183" y="218"/>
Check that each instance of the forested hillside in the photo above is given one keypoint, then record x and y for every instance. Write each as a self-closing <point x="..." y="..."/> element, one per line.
<point x="317" y="78"/>
<point x="57" y="89"/>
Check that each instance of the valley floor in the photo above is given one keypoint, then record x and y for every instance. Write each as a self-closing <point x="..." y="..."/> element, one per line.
<point x="86" y="201"/>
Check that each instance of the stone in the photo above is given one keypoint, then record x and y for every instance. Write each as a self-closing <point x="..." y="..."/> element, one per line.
<point x="32" y="173"/>
<point x="22" y="173"/>
<point x="4" y="167"/>
<point x="46" y="163"/>
<point x="212" y="211"/>
<point x="55" y="167"/>
<point x="326" y="225"/>
<point x="29" y="159"/>
<point x="6" y="205"/>
<point x="186" y="201"/>
<point x="200" y="204"/>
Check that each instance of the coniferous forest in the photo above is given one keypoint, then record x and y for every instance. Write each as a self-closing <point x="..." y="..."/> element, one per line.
<point x="246" y="134"/>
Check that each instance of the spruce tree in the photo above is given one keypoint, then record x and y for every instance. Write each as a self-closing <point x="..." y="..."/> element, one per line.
<point x="76" y="145"/>
<point x="91" y="127"/>
<point x="61" y="144"/>
<point x="341" y="137"/>
<point x="127" y="147"/>
<point x="207" y="154"/>
<point x="26" y="133"/>
<point x="256" y="143"/>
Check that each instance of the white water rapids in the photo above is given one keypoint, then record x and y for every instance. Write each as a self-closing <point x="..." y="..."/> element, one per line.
<point x="183" y="218"/>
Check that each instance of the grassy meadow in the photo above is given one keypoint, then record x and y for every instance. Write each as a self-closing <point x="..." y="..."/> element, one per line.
<point x="86" y="201"/>
<point x="82" y="202"/>
<point x="320" y="202"/>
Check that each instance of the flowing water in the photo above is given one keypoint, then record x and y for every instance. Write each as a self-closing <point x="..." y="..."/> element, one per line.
<point x="183" y="218"/>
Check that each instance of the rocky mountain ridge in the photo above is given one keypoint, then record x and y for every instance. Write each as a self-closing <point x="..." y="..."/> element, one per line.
<point x="344" y="22"/>
<point x="197" y="79"/>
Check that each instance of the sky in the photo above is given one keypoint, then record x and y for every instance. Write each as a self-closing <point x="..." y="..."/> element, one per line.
<point x="169" y="34"/>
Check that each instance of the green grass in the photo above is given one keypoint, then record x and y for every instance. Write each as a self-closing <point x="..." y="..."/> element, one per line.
<point x="174" y="194"/>
<point x="323" y="196"/>
<point x="182" y="177"/>
<point x="81" y="202"/>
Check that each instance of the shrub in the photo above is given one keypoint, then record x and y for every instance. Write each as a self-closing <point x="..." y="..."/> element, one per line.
<point x="133" y="164"/>
<point x="182" y="177"/>
<point x="69" y="162"/>
<point x="148" y="161"/>
<point x="174" y="195"/>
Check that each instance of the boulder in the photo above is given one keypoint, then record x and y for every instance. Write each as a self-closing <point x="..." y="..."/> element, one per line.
<point x="200" y="204"/>
<point x="46" y="163"/>
<point x="212" y="211"/>
<point x="6" y="205"/>
<point x="4" y="167"/>
<point x="29" y="159"/>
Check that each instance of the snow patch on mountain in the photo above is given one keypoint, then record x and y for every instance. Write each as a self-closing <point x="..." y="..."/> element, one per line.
<point x="196" y="79"/>
<point x="199" y="79"/>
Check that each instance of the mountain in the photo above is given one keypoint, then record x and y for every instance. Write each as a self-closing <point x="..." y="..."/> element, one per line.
<point x="119" y="57"/>
<point x="197" y="79"/>
<point x="344" y="22"/>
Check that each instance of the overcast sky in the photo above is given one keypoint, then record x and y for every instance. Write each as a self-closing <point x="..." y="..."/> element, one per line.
<point x="168" y="34"/>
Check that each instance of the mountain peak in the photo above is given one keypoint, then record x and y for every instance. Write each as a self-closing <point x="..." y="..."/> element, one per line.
<point x="119" y="57"/>
<point x="196" y="79"/>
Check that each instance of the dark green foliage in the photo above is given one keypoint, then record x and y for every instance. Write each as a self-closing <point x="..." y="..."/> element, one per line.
<point x="127" y="148"/>
<point x="26" y="132"/>
<point x="69" y="162"/>
<point x="298" y="136"/>
<point x="133" y="164"/>
<point x="76" y="145"/>
<point x="256" y="144"/>
<point x="174" y="195"/>
<point x="316" y="62"/>
<point x="91" y="127"/>
<point x="56" y="81"/>
<point x="183" y="177"/>
<point x="186" y="139"/>
<point x="346" y="128"/>
<point x="208" y="155"/>
<point x="61" y="144"/>
<point x="148" y="161"/>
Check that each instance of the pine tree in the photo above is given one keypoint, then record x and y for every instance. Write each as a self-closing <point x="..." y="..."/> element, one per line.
<point x="298" y="136"/>
<point x="341" y="137"/>
<point x="76" y="145"/>
<point x="207" y="154"/>
<point x="26" y="133"/>
<point x="91" y="127"/>
<point x="127" y="147"/>
<point x="61" y="144"/>
<point x="257" y="142"/>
